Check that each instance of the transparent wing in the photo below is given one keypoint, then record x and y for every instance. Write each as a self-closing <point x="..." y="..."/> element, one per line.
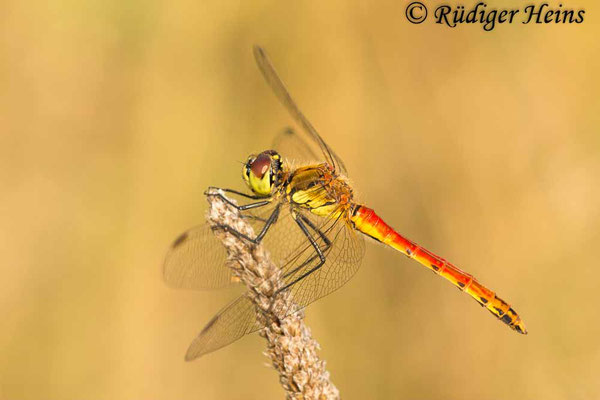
<point x="196" y="259"/>
<point x="342" y="260"/>
<point x="343" y="255"/>
<point x="230" y="324"/>
<point x="295" y="149"/>
<point x="278" y="87"/>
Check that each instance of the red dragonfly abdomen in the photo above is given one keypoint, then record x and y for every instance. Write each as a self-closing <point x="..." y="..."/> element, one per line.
<point x="368" y="222"/>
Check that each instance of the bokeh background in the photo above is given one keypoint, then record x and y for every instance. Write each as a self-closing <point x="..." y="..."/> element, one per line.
<point x="482" y="146"/>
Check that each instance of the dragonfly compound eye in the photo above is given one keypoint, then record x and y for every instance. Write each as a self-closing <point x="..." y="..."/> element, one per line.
<point x="261" y="165"/>
<point x="258" y="174"/>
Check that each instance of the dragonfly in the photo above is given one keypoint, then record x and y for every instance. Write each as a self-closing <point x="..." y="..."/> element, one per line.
<point x="305" y="212"/>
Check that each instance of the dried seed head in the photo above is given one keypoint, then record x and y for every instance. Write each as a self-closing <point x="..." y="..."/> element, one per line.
<point x="290" y="346"/>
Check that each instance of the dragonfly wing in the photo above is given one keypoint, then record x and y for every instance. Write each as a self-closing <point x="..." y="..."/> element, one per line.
<point x="342" y="259"/>
<point x="196" y="259"/>
<point x="295" y="256"/>
<point x="239" y="317"/>
<point x="278" y="87"/>
<point x="292" y="146"/>
<point x="231" y="323"/>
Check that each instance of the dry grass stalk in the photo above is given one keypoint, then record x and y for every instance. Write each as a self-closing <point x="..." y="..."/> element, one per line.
<point x="290" y="346"/>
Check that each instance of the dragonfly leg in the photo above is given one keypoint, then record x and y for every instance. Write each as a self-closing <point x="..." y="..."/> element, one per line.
<point x="208" y="192"/>
<point x="242" y="207"/>
<point x="270" y="221"/>
<point x="323" y="249"/>
<point x="301" y="221"/>
<point x="314" y="228"/>
<point x="253" y="217"/>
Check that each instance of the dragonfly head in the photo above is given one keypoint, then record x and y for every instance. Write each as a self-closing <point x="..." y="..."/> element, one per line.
<point x="262" y="173"/>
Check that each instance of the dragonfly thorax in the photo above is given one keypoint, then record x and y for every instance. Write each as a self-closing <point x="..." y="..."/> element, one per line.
<point x="263" y="173"/>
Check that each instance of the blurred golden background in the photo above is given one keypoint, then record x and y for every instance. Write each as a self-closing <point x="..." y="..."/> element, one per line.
<point x="481" y="146"/>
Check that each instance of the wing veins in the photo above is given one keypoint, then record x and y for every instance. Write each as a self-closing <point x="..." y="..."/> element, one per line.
<point x="272" y="77"/>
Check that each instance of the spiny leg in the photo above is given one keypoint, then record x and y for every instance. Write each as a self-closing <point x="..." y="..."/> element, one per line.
<point x="301" y="223"/>
<point x="270" y="221"/>
<point x="238" y="207"/>
<point x="253" y="217"/>
<point x="208" y="192"/>
<point x="311" y="259"/>
<point x="314" y="228"/>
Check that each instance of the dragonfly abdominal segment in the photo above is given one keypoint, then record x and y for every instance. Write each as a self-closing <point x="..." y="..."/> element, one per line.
<point x="369" y="223"/>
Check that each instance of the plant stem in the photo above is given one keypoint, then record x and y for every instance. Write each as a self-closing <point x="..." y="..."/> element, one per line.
<point x="290" y="346"/>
